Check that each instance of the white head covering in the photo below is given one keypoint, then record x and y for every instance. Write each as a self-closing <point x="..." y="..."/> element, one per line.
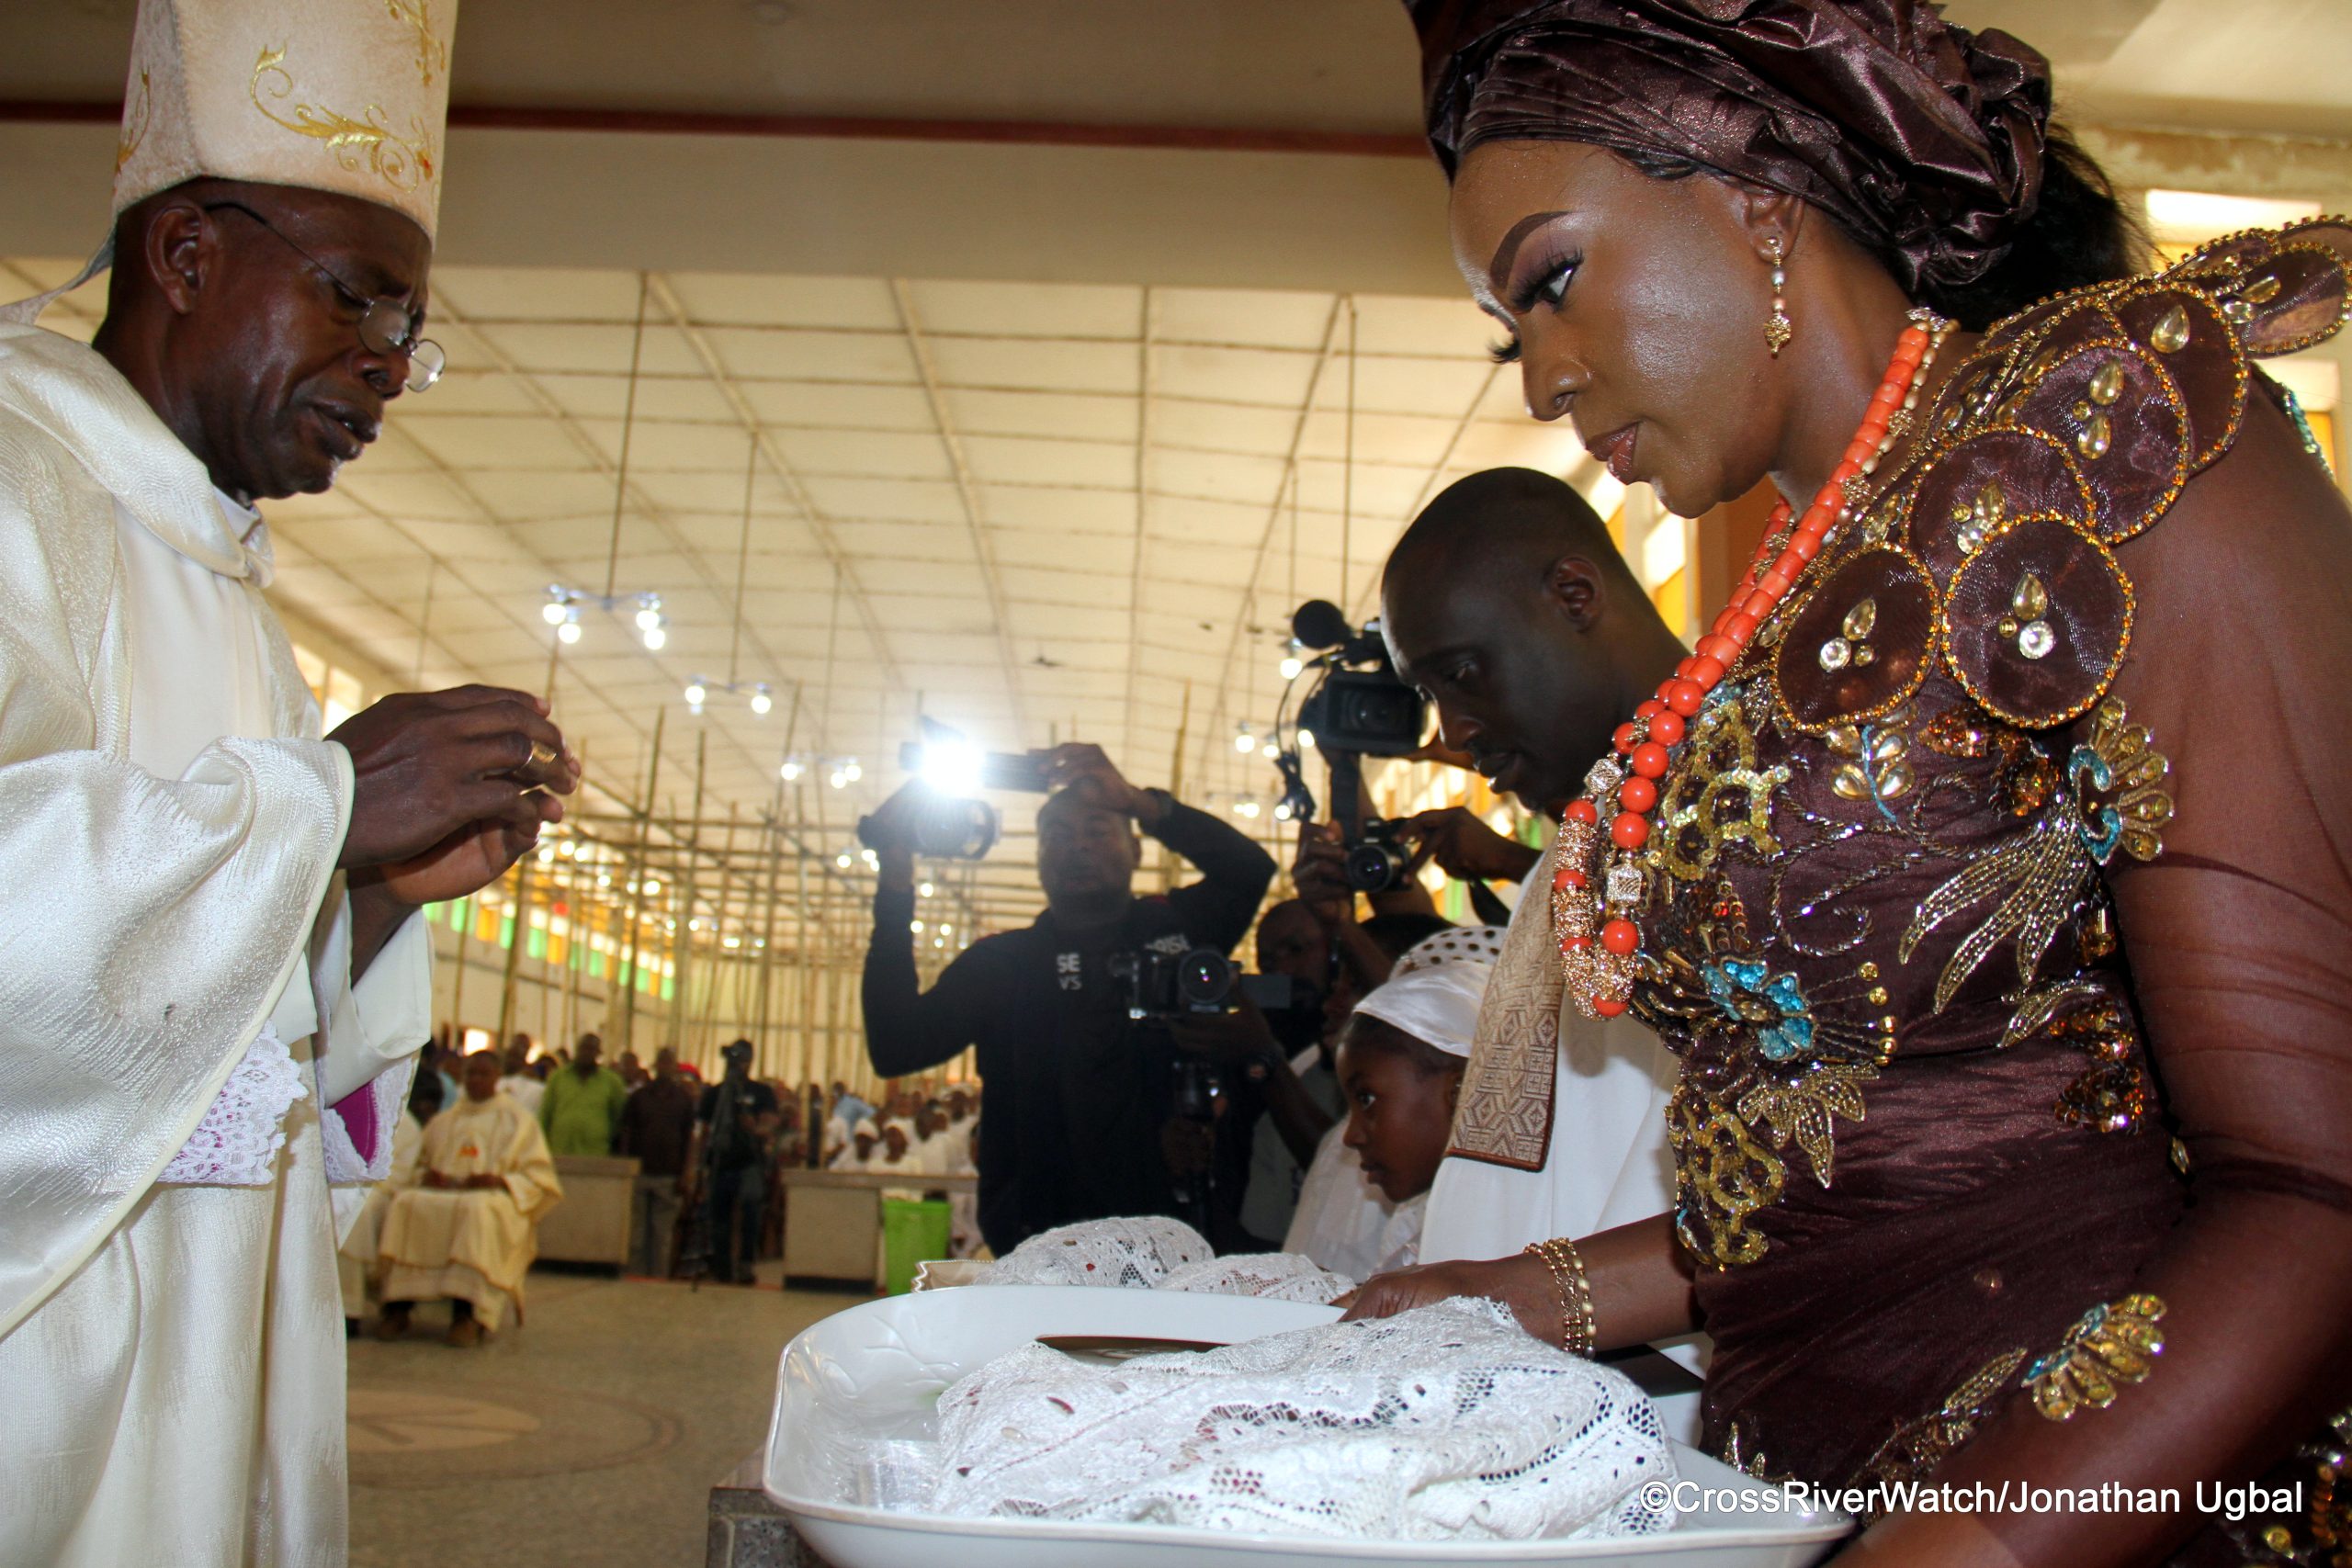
<point x="329" y="94"/>
<point x="1434" y="991"/>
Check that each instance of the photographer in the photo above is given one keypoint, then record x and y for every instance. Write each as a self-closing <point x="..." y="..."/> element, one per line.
<point x="1079" y="1095"/>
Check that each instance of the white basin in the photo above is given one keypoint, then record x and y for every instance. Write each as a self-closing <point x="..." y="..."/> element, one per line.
<point x="863" y="1379"/>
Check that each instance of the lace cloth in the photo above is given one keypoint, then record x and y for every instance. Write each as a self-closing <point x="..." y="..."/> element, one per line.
<point x="1445" y="1423"/>
<point x="237" y="1142"/>
<point x="1151" y="1252"/>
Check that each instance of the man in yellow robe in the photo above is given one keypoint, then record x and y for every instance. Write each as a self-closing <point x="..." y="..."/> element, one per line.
<point x="468" y="1231"/>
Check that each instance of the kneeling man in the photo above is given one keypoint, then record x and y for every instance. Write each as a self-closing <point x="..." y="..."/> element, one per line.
<point x="471" y="1227"/>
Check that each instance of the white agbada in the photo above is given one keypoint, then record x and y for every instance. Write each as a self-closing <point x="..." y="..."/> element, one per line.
<point x="1607" y="1163"/>
<point x="473" y="1244"/>
<point x="174" y="1004"/>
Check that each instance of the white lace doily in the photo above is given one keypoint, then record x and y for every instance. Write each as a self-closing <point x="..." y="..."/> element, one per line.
<point x="1445" y="1423"/>
<point x="237" y="1143"/>
<point x="1152" y="1252"/>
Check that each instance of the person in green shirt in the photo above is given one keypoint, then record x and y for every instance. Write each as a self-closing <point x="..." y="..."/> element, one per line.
<point x="582" y="1110"/>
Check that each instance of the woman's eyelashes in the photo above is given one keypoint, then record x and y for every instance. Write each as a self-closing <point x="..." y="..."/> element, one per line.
<point x="1547" y="285"/>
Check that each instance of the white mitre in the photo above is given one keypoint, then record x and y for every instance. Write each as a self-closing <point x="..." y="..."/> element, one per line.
<point x="343" y="96"/>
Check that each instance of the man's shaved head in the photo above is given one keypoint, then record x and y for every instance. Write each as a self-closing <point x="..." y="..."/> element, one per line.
<point x="1509" y="606"/>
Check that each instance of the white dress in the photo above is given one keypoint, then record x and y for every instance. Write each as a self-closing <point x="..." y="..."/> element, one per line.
<point x="176" y="1008"/>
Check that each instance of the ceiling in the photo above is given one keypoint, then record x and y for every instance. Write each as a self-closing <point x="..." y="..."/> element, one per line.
<point x="1037" y="513"/>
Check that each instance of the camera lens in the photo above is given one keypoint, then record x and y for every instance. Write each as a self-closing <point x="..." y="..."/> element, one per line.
<point x="1203" y="979"/>
<point x="955" y="829"/>
<point x="1373" y="867"/>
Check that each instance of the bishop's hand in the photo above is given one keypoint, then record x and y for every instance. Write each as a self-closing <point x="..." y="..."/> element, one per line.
<point x="449" y="788"/>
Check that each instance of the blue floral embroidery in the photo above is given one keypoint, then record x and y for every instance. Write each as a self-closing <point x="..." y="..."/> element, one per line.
<point x="2101" y="825"/>
<point x="1773" y="1005"/>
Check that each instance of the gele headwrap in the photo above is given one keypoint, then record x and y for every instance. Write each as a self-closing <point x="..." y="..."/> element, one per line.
<point x="1922" y="140"/>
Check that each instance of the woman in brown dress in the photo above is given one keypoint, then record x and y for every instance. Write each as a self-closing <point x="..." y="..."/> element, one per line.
<point x="1989" y="864"/>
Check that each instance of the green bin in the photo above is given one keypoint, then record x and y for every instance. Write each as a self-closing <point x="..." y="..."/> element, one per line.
<point x="912" y="1232"/>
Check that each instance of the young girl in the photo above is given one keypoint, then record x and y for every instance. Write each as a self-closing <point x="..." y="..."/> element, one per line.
<point x="1400" y="1064"/>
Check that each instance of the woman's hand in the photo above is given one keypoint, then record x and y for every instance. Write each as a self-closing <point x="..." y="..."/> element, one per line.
<point x="1522" y="1283"/>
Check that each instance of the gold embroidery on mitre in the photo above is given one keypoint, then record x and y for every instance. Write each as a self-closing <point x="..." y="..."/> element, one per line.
<point x="432" y="54"/>
<point x="401" y="162"/>
<point x="134" y="125"/>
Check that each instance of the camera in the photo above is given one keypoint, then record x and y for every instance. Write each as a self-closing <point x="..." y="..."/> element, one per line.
<point x="1162" y="985"/>
<point x="1380" y="861"/>
<point x="1366" y="711"/>
<point x="945" y="827"/>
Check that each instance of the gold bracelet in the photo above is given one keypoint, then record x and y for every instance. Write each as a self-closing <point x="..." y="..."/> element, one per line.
<point x="1567" y="1266"/>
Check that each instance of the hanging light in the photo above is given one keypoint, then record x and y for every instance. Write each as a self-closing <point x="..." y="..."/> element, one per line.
<point x="915" y="926"/>
<point x="1244" y="741"/>
<point x="872" y="861"/>
<point x="1245" y="808"/>
<point x="1292" y="663"/>
<point x="653" y="886"/>
<point x="1306" y="740"/>
<point x="558" y="606"/>
<point x="1282" y="811"/>
<point x="656" y="640"/>
<point x="852" y="771"/>
<point x="569" y="632"/>
<point x="842" y="860"/>
<point x="792" y="770"/>
<point x="696" y="694"/>
<point x="927" y="889"/>
<point x="762" y="699"/>
<point x="838" y="779"/>
<point x="1270" y="750"/>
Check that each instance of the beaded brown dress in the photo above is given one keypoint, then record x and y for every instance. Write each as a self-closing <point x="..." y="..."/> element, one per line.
<point x="1927" y="1134"/>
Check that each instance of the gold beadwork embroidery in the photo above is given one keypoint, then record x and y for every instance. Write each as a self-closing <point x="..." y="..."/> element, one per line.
<point x="399" y="161"/>
<point x="2117" y="757"/>
<point x="1917" y="1447"/>
<point x="2107" y="1347"/>
<point x="1717" y="795"/>
<point x="1798" y="1113"/>
<point x="1722" y="1176"/>
<point x="2037" y="875"/>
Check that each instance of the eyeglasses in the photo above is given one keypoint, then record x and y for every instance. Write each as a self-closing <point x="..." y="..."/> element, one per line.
<point x="385" y="326"/>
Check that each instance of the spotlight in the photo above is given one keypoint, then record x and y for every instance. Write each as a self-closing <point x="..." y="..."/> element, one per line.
<point x="761" y="699"/>
<point x="649" y="612"/>
<point x="838" y="779"/>
<point x="569" y="632"/>
<point x="1290" y="667"/>
<point x="953" y="767"/>
<point x="653" y="886"/>
<point x="915" y="926"/>
<point x="554" y="610"/>
<point x="1282" y="811"/>
<point x="1306" y="740"/>
<point x="655" y="639"/>
<point x="1245" y="808"/>
<point x="926" y="889"/>
<point x="1270" y="750"/>
<point x="1244" y="741"/>
<point x="852" y="771"/>
<point x="842" y="860"/>
<point x="697" y="694"/>
<point x="792" y="770"/>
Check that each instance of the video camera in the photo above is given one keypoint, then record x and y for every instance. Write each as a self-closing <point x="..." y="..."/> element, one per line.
<point x="1160" y="987"/>
<point x="952" y="822"/>
<point x="1358" y="709"/>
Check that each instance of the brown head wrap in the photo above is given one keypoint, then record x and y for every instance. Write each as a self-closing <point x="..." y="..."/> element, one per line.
<point x="1923" y="141"/>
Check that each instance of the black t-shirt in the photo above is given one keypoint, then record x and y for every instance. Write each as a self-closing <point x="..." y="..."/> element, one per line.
<point x="1077" y="1094"/>
<point x="744" y="1147"/>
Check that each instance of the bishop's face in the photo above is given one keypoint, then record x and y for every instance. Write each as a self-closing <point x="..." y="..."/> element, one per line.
<point x="288" y="392"/>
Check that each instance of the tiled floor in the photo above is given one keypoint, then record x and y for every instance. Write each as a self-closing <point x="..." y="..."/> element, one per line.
<point x="588" y="1438"/>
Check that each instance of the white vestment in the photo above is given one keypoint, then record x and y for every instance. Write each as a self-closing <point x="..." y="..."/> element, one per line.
<point x="473" y="1244"/>
<point x="356" y="1265"/>
<point x="185" y="1062"/>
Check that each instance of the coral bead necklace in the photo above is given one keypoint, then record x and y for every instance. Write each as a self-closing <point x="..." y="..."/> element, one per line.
<point x="1595" y="928"/>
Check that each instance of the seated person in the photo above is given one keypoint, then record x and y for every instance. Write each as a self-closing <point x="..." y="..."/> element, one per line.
<point x="469" y="1229"/>
<point x="356" y="1265"/>
<point x="1401" y="1059"/>
<point x="858" y="1154"/>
